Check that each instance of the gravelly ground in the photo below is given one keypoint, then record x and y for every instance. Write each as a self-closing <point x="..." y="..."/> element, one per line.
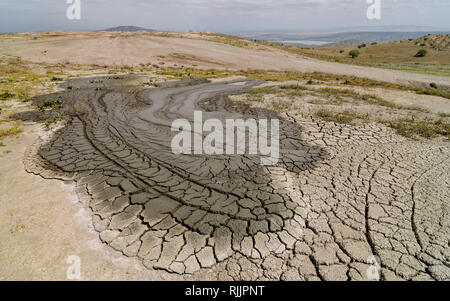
<point x="339" y="195"/>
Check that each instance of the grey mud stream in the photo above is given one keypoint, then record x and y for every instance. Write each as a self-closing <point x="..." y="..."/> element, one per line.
<point x="338" y="196"/>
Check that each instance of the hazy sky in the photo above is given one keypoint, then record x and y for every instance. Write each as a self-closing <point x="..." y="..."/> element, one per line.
<point x="219" y="15"/>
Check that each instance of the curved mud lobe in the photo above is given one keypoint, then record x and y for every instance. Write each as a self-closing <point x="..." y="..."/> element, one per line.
<point x="180" y="213"/>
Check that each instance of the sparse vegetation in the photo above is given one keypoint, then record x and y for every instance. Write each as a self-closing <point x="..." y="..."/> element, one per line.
<point x="14" y="130"/>
<point x="279" y="76"/>
<point x="53" y="120"/>
<point x="17" y="81"/>
<point x="281" y="106"/>
<point x="49" y="104"/>
<point x="433" y="92"/>
<point x="345" y="117"/>
<point x="335" y="94"/>
<point x="413" y="128"/>
<point x="398" y="56"/>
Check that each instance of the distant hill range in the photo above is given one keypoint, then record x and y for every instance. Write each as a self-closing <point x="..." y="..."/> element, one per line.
<point x="341" y="38"/>
<point x="128" y="29"/>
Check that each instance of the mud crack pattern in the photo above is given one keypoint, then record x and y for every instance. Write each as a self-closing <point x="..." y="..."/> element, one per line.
<point x="339" y="194"/>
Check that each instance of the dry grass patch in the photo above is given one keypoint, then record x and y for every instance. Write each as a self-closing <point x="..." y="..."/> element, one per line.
<point x="12" y="131"/>
<point x="345" y="117"/>
<point x="413" y="128"/>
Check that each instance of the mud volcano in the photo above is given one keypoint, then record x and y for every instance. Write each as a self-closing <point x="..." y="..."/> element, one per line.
<point x="338" y="196"/>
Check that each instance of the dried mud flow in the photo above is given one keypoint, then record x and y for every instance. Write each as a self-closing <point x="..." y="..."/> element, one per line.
<point x="339" y="194"/>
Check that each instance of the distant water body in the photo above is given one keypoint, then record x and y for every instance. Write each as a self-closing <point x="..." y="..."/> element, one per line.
<point x="304" y="42"/>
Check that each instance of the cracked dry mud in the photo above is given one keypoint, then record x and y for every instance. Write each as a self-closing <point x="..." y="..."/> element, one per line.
<point x="339" y="194"/>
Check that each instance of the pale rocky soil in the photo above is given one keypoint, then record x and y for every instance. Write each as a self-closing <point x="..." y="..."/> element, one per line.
<point x="106" y="187"/>
<point x="137" y="48"/>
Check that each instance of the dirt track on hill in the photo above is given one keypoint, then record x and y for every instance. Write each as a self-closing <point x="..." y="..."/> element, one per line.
<point x="339" y="195"/>
<point x="134" y="49"/>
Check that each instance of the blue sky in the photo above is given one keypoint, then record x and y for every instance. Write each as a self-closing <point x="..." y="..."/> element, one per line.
<point x="219" y="15"/>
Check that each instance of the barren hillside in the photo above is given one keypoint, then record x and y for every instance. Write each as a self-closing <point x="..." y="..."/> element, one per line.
<point x="121" y="49"/>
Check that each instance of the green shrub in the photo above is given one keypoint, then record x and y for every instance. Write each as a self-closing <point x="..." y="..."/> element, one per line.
<point x="421" y="53"/>
<point x="6" y="95"/>
<point x="354" y="53"/>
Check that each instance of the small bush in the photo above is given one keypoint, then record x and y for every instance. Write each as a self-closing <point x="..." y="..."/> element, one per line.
<point x="421" y="53"/>
<point x="354" y="53"/>
<point x="6" y="95"/>
<point x="362" y="46"/>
